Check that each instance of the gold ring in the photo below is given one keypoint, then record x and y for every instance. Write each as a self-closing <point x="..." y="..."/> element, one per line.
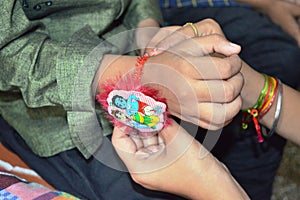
<point x="193" y="27"/>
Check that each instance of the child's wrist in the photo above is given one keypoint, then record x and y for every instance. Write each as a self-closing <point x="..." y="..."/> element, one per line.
<point x="253" y="85"/>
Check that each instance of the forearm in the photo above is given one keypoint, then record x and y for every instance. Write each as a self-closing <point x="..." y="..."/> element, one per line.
<point x="255" y="3"/>
<point x="288" y="125"/>
<point x="196" y="178"/>
<point x="260" y="5"/>
<point x="210" y="171"/>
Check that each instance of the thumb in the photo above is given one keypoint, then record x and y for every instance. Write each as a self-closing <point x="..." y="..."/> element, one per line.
<point x="122" y="142"/>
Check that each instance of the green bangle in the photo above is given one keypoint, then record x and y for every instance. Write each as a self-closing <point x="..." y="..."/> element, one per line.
<point x="262" y="95"/>
<point x="259" y="102"/>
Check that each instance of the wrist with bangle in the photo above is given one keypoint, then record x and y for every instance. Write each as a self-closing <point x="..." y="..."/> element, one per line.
<point x="272" y="89"/>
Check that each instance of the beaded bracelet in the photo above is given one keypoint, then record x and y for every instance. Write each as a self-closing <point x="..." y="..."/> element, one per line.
<point x="262" y="106"/>
<point x="132" y="105"/>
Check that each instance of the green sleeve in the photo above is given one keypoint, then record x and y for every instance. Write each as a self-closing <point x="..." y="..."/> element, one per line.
<point x="48" y="73"/>
<point x="43" y="70"/>
<point x="142" y="9"/>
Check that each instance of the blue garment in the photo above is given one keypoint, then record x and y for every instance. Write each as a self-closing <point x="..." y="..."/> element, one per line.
<point x="197" y="3"/>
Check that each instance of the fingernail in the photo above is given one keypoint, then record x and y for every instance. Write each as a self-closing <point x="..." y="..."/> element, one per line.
<point x="154" y="148"/>
<point x="155" y="52"/>
<point x="235" y="46"/>
<point x="141" y="155"/>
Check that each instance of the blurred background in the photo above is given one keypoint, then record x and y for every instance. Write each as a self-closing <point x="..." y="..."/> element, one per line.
<point x="287" y="182"/>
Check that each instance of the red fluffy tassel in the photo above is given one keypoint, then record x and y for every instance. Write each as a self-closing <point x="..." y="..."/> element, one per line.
<point x="138" y="107"/>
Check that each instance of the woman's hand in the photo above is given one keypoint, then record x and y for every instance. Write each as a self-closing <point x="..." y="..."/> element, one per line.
<point x="177" y="164"/>
<point x="169" y="36"/>
<point x="198" y="87"/>
<point x="197" y="70"/>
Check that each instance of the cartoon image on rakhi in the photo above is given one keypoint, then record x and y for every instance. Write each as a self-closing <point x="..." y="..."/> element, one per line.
<point x="133" y="105"/>
<point x="136" y="110"/>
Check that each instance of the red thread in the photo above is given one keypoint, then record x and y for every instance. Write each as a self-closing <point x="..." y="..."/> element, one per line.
<point x="256" y="114"/>
<point x="139" y="66"/>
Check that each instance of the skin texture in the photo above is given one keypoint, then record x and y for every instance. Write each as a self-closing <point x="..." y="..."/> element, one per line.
<point x="153" y="166"/>
<point x="283" y="13"/>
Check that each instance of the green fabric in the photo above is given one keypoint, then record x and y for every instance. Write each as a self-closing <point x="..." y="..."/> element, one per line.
<point x="45" y="82"/>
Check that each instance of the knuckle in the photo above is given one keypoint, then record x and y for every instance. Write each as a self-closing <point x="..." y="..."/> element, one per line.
<point x="237" y="61"/>
<point x="216" y="37"/>
<point x="211" y="22"/>
<point x="233" y="108"/>
<point x="240" y="81"/>
<point x="229" y="92"/>
<point x="221" y="67"/>
<point x="225" y="69"/>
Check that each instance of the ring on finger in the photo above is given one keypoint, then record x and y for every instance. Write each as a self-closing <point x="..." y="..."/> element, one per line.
<point x="193" y="27"/>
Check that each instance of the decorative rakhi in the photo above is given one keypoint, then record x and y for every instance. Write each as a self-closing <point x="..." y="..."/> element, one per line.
<point x="132" y="105"/>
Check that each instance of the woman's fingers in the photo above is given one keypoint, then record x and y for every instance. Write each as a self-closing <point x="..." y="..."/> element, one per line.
<point x="211" y="116"/>
<point x="161" y="35"/>
<point x="210" y="68"/>
<point x="201" y="46"/>
<point x="219" y="91"/>
<point x="170" y="36"/>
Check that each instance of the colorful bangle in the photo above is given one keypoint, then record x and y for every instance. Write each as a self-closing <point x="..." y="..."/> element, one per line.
<point x="277" y="111"/>
<point x="132" y="105"/>
<point x="271" y="97"/>
<point x="259" y="103"/>
<point x="262" y="105"/>
<point x="263" y="94"/>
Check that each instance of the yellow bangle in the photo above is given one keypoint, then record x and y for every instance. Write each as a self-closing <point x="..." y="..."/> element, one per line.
<point x="193" y="27"/>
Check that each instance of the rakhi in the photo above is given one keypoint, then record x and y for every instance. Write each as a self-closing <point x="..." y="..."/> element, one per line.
<point x="132" y="105"/>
